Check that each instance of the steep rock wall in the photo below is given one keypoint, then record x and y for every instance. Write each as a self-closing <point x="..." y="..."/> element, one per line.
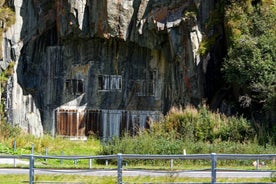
<point x="123" y="54"/>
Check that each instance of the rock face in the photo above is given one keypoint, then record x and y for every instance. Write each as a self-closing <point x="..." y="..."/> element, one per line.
<point x="133" y="58"/>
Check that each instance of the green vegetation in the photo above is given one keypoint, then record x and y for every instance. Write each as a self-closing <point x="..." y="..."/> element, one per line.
<point x="4" y="76"/>
<point x="251" y="61"/>
<point x="15" y="179"/>
<point x="249" y="31"/>
<point x="214" y="22"/>
<point x="196" y="130"/>
<point x="273" y="177"/>
<point x="207" y="44"/>
<point x="54" y="145"/>
<point x="7" y="18"/>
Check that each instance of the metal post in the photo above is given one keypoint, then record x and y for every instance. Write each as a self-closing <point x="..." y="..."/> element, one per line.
<point x="31" y="171"/>
<point x="119" y="169"/>
<point x="214" y="165"/>
<point x="14" y="162"/>
<point x="14" y="149"/>
<point x="171" y="164"/>
<point x="90" y="163"/>
<point x="14" y="145"/>
<point x="32" y="149"/>
<point x="61" y="160"/>
<point x="54" y="114"/>
<point x="46" y="153"/>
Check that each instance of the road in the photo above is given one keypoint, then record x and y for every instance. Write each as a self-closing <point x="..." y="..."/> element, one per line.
<point x="94" y="172"/>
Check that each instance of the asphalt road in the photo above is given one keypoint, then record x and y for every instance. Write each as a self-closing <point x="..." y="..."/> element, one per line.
<point x="93" y="172"/>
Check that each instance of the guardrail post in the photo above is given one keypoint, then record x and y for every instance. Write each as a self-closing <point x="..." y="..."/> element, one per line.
<point x="46" y="153"/>
<point x="171" y="164"/>
<point x="14" y="145"/>
<point x="213" y="169"/>
<point x="14" y="149"/>
<point x="61" y="160"/>
<point x="32" y="149"/>
<point x="14" y="162"/>
<point x="31" y="171"/>
<point x="90" y="163"/>
<point x="119" y="169"/>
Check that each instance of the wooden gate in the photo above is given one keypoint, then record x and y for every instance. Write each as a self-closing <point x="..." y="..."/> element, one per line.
<point x="70" y="122"/>
<point x="103" y="123"/>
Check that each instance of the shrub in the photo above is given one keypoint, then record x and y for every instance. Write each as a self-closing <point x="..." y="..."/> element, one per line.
<point x="7" y="131"/>
<point x="196" y="130"/>
<point x="203" y="125"/>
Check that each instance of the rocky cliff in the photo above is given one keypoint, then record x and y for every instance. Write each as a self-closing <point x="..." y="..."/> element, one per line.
<point x="132" y="56"/>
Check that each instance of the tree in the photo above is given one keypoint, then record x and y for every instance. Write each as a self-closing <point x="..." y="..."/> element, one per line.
<point x="250" y="65"/>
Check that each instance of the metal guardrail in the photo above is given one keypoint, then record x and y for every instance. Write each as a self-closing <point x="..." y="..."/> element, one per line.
<point x="11" y="157"/>
<point x="120" y="157"/>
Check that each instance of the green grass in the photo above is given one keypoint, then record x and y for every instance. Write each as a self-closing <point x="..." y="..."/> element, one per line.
<point x="156" y="141"/>
<point x="92" y="147"/>
<point x="55" y="146"/>
<point x="15" y="179"/>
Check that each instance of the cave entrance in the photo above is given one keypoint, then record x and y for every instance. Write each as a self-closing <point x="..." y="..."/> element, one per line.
<point x="102" y="123"/>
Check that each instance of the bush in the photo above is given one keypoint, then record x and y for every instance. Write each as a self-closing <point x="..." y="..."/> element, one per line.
<point x="203" y="125"/>
<point x="7" y="131"/>
<point x="196" y="130"/>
